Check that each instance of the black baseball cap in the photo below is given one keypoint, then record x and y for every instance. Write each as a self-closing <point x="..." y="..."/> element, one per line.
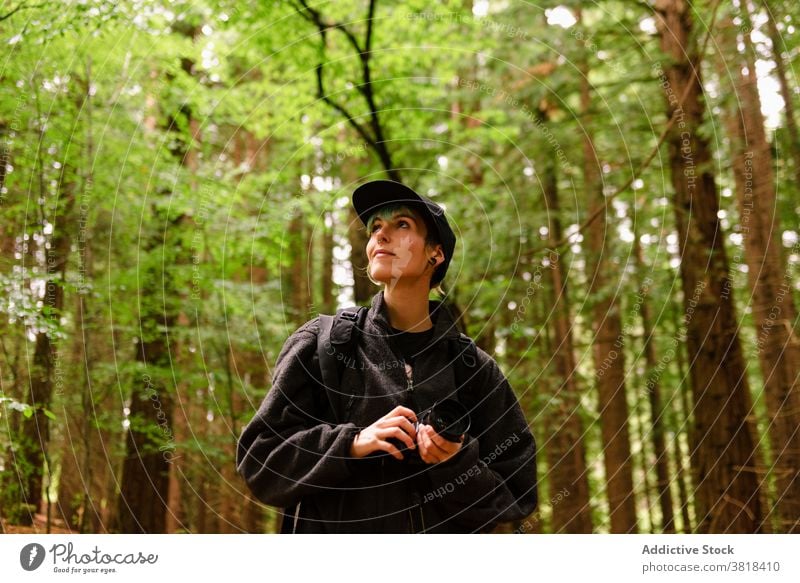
<point x="371" y="196"/>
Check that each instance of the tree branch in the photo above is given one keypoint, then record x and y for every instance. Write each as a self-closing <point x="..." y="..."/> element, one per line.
<point x="22" y="5"/>
<point x="341" y="109"/>
<point x="375" y="141"/>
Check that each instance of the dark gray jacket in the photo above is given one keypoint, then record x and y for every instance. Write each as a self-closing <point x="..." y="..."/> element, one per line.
<point x="295" y="456"/>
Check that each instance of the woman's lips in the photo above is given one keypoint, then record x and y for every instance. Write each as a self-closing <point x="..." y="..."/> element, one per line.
<point x="384" y="254"/>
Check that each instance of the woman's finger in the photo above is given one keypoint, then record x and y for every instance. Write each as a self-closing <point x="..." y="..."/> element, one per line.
<point x="402" y="422"/>
<point x="441" y="448"/>
<point x="402" y="411"/>
<point x="447" y="447"/>
<point x="397" y="433"/>
<point x="389" y="448"/>
<point x="424" y="439"/>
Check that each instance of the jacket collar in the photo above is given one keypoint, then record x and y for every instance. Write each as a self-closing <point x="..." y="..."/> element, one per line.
<point x="444" y="325"/>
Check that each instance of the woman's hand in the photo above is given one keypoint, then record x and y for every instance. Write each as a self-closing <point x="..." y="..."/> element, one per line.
<point x="433" y="448"/>
<point x="397" y="424"/>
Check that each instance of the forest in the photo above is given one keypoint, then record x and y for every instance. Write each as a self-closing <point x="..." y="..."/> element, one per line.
<point x="623" y="177"/>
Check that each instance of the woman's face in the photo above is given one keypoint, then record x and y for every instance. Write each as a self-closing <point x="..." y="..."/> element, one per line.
<point x="396" y="249"/>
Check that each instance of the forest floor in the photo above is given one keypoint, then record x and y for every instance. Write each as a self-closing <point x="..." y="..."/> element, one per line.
<point x="39" y="526"/>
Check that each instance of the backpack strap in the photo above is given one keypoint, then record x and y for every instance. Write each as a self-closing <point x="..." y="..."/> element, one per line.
<point x="464" y="356"/>
<point x="335" y="343"/>
<point x="327" y="362"/>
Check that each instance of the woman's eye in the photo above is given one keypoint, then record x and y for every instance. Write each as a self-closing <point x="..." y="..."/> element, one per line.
<point x="400" y="222"/>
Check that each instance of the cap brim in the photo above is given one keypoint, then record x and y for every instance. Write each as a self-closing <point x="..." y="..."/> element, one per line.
<point x="371" y="196"/>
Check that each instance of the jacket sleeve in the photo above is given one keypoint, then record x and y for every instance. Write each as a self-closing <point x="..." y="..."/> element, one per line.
<point x="287" y="452"/>
<point x="492" y="478"/>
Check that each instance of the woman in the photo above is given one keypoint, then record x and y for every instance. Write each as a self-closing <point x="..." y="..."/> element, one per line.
<point x="382" y="468"/>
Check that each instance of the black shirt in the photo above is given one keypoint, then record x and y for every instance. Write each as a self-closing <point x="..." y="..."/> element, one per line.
<point x="411" y="344"/>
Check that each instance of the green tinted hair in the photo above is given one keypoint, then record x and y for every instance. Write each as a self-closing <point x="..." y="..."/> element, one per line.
<point x="385" y="213"/>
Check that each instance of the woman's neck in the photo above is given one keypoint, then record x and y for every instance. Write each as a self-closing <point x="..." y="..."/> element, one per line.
<point x="408" y="308"/>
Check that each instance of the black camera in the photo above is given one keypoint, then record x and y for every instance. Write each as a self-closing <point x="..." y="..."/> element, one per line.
<point x="449" y="418"/>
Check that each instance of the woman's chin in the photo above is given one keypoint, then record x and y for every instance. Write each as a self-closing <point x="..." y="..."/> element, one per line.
<point x="381" y="279"/>
<point x="386" y="279"/>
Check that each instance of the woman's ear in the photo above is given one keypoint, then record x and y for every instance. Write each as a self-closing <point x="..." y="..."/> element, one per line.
<point x="437" y="256"/>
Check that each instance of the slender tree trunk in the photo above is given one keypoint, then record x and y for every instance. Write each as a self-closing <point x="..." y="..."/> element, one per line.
<point x="70" y="486"/>
<point x="774" y="313"/>
<point x="543" y="350"/>
<point x="653" y="388"/>
<point x="82" y="481"/>
<point x="641" y="423"/>
<point x="182" y="466"/>
<point x="516" y="361"/>
<point x="94" y="436"/>
<point x="248" y="363"/>
<point x="681" y="478"/>
<point x="725" y="451"/>
<point x="144" y="499"/>
<point x="684" y="413"/>
<point x="565" y="452"/>
<point x="5" y="156"/>
<point x="145" y="474"/>
<point x="36" y="430"/>
<point x="783" y="82"/>
<point x="363" y="288"/>
<point x="326" y="284"/>
<point x="300" y="256"/>
<point x="538" y="523"/>
<point x="608" y="346"/>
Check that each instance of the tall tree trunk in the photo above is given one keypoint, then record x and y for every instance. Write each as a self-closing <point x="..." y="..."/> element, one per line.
<point x="5" y="157"/>
<point x="653" y="388"/>
<point x="180" y="486"/>
<point x="70" y="486"/>
<point x="608" y="344"/>
<point x="144" y="490"/>
<point x="774" y="313"/>
<point x="684" y="413"/>
<point x="641" y="423"/>
<point x="35" y="432"/>
<point x="247" y="362"/>
<point x="725" y="451"/>
<point x="300" y="257"/>
<point x="566" y="455"/>
<point x="783" y="82"/>
<point x="144" y="499"/>
<point x="82" y="482"/>
<point x="517" y="360"/>
<point x="328" y="304"/>
<point x="363" y="288"/>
